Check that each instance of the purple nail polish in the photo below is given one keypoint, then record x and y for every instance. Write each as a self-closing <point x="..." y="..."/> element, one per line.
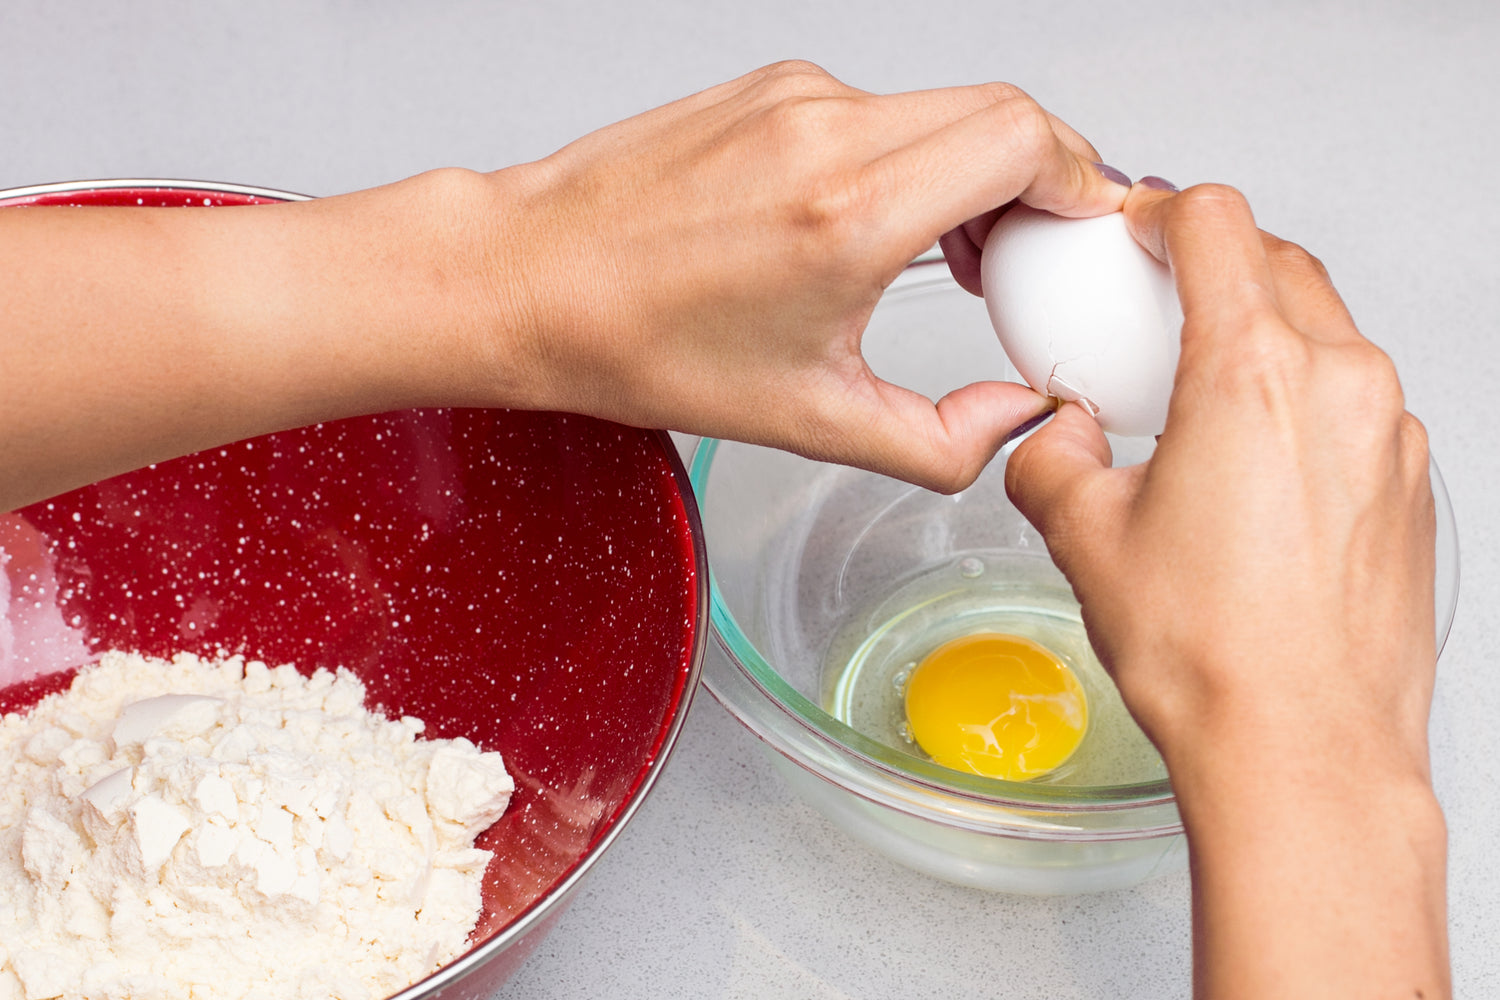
<point x="1157" y="183"/>
<point x="1110" y="173"/>
<point x="1026" y="428"/>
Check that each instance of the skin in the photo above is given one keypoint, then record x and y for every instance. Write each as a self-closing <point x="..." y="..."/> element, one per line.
<point x="1262" y="593"/>
<point x="709" y="266"/>
<point x="561" y="284"/>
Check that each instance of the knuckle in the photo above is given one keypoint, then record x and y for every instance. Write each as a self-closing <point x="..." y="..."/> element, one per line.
<point x="1363" y="365"/>
<point x="1027" y="121"/>
<point x="1376" y="365"/>
<point x="797" y="67"/>
<point x="801" y="124"/>
<point x="997" y="92"/>
<point x="832" y="209"/>
<point x="1293" y="260"/>
<point x="794" y="78"/>
<point x="1214" y="197"/>
<point x="1266" y="366"/>
<point x="1416" y="451"/>
<point x="950" y="467"/>
<point x="1374" y="379"/>
<point x="1414" y="439"/>
<point x="1269" y="351"/>
<point x="949" y="478"/>
<point x="1210" y="201"/>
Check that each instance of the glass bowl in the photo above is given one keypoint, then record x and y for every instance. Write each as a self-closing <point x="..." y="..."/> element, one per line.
<point x="531" y="581"/>
<point x="814" y="566"/>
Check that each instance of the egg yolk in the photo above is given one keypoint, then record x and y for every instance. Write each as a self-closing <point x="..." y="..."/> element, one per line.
<point x="997" y="705"/>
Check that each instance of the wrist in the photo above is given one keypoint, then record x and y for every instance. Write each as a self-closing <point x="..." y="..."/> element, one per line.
<point x="355" y="303"/>
<point x="1230" y="778"/>
<point x="1227" y="716"/>
<point x="1334" y="890"/>
<point x="458" y="300"/>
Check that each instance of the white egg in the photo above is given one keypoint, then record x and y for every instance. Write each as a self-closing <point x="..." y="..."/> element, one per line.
<point x="1085" y="314"/>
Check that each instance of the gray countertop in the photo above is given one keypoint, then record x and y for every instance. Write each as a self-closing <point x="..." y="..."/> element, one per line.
<point x="1367" y="131"/>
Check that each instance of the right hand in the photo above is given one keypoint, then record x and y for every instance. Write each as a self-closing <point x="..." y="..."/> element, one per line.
<point x="1274" y="559"/>
<point x="1262" y="592"/>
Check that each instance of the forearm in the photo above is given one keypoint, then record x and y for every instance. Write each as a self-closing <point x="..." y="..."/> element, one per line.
<point x="134" y="335"/>
<point x="1314" y="875"/>
<point x="707" y="266"/>
<point x="1262" y="590"/>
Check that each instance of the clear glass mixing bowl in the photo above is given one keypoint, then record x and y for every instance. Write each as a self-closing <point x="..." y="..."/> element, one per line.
<point x="799" y="550"/>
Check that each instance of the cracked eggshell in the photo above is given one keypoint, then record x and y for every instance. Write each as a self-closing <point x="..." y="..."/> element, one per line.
<point x="1085" y="314"/>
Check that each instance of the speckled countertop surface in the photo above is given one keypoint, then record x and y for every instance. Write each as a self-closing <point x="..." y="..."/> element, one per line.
<point x="1366" y="131"/>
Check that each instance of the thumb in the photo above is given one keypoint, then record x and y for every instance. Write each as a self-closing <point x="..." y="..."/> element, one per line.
<point x="942" y="446"/>
<point x="1055" y="476"/>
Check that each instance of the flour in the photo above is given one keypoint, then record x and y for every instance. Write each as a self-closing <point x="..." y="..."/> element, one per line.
<point x="223" y="829"/>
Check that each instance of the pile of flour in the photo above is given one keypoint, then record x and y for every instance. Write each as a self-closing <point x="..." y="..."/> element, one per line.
<point x="200" y="829"/>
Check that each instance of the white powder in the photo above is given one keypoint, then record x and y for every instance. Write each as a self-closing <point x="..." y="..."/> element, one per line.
<point x="200" y="829"/>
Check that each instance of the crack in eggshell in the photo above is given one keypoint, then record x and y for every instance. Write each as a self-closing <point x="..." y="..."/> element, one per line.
<point x="1067" y="392"/>
<point x="1084" y="314"/>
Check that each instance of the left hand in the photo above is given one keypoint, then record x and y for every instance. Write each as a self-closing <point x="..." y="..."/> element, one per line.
<point x="707" y="267"/>
<point x="710" y="266"/>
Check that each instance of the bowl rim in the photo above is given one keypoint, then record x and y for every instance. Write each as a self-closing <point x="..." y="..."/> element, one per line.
<point x="550" y="903"/>
<point x="887" y="761"/>
<point x="887" y="776"/>
<point x="149" y="184"/>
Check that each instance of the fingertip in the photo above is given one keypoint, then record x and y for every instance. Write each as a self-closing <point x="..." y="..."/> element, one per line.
<point x="1045" y="467"/>
<point x="963" y="259"/>
<point x="900" y="433"/>
<point x="1096" y="189"/>
<point x="967" y="250"/>
<point x="975" y="422"/>
<point x="1145" y="216"/>
<point x="1208" y="236"/>
<point x="1028" y="426"/>
<point x="1113" y="175"/>
<point x="978" y="228"/>
<point x="1010" y="149"/>
<point x="1074" y="427"/>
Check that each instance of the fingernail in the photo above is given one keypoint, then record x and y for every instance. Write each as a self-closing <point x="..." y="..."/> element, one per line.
<point x="1111" y="174"/>
<point x="1030" y="425"/>
<point x="1157" y="183"/>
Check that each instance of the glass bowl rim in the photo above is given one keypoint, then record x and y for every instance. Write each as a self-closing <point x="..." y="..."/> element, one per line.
<point x="887" y="762"/>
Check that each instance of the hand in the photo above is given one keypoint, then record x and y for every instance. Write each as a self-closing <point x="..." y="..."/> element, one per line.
<point x="710" y="266"/>
<point x="1285" y="520"/>
<point x="1262" y="592"/>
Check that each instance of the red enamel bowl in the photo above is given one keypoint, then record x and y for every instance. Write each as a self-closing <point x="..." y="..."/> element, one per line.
<point x="533" y="581"/>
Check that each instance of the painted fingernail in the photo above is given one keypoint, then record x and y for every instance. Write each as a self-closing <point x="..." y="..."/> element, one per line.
<point x="1111" y="174"/>
<point x="1030" y="425"/>
<point x="1157" y="183"/>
